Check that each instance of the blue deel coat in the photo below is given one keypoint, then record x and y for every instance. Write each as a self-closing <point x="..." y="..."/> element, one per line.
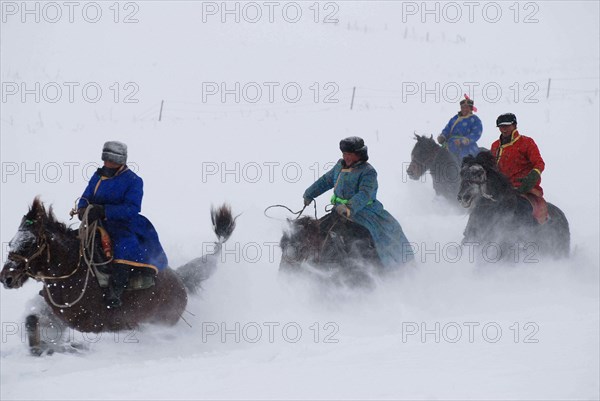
<point x="467" y="129"/>
<point x="135" y="241"/>
<point x="358" y="185"/>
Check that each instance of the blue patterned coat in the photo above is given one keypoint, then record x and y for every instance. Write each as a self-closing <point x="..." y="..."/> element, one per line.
<point x="358" y="185"/>
<point x="466" y="130"/>
<point x="135" y="240"/>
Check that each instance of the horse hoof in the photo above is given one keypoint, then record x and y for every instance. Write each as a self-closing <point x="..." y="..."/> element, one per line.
<point x="36" y="351"/>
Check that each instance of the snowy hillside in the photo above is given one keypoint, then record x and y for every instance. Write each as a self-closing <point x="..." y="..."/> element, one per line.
<point x="255" y="98"/>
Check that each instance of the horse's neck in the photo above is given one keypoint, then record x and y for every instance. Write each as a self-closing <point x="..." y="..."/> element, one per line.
<point x="500" y="189"/>
<point x="64" y="254"/>
<point x="440" y="161"/>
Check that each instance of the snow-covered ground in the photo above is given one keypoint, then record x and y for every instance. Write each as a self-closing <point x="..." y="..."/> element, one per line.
<point x="446" y="328"/>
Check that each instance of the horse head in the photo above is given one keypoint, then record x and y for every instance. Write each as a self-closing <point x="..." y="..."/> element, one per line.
<point x="300" y="241"/>
<point x="480" y="179"/>
<point x="421" y="156"/>
<point x="30" y="249"/>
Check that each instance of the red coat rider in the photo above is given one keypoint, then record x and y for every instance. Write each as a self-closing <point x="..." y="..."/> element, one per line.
<point x="518" y="157"/>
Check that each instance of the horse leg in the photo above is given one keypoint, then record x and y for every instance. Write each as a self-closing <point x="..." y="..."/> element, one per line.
<point x="46" y="332"/>
<point x="32" y="325"/>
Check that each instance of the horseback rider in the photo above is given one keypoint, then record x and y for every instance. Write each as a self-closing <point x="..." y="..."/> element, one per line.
<point x="518" y="158"/>
<point x="113" y="197"/>
<point x="354" y="183"/>
<point x="462" y="132"/>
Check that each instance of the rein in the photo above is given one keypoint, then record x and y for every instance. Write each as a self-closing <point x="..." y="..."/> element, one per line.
<point x="297" y="214"/>
<point x="87" y="236"/>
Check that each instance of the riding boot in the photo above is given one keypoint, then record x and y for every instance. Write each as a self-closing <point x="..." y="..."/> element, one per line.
<point x="116" y="285"/>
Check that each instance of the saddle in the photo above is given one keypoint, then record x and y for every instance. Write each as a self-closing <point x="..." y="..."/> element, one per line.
<point x="540" y="207"/>
<point x="139" y="279"/>
<point x="355" y="239"/>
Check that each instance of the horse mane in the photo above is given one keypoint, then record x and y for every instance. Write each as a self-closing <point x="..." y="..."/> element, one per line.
<point x="428" y="142"/>
<point x="499" y="182"/>
<point x="307" y="223"/>
<point x="37" y="210"/>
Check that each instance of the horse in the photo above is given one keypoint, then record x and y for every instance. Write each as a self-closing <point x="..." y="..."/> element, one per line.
<point x="46" y="250"/>
<point x="444" y="167"/>
<point x="332" y="249"/>
<point x="492" y="202"/>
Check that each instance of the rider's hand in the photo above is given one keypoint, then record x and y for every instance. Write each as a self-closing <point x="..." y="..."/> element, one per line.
<point x="96" y="213"/>
<point x="342" y="210"/>
<point x="307" y="201"/>
<point x="441" y="139"/>
<point x="80" y="212"/>
<point x="528" y="182"/>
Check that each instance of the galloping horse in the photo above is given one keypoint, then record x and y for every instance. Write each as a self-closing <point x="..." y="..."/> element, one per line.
<point x="48" y="251"/>
<point x="332" y="249"/>
<point x="427" y="155"/>
<point x="492" y="201"/>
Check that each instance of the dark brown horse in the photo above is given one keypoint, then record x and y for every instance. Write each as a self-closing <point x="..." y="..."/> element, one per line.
<point x="494" y="218"/>
<point x="48" y="251"/>
<point x="332" y="249"/>
<point x="427" y="155"/>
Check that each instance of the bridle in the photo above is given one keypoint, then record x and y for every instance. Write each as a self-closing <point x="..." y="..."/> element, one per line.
<point x="27" y="260"/>
<point x="424" y="165"/>
<point x="480" y="183"/>
<point x="43" y="246"/>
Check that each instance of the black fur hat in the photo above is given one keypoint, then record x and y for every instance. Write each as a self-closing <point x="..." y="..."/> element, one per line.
<point x="355" y="144"/>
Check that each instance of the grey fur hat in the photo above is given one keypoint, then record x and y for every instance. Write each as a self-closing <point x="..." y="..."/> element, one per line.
<point x="114" y="151"/>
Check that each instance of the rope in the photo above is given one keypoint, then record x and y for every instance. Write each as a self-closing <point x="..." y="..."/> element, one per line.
<point x="297" y="214"/>
<point x="87" y="238"/>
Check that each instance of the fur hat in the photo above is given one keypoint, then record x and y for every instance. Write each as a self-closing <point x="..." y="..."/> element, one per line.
<point x="355" y="144"/>
<point x="115" y="152"/>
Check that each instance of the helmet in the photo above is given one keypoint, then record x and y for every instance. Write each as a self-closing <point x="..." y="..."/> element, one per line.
<point x="506" y="119"/>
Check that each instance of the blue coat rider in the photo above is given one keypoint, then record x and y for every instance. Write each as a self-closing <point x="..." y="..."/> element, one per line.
<point x="354" y="183"/>
<point x="462" y="131"/>
<point x="114" y="196"/>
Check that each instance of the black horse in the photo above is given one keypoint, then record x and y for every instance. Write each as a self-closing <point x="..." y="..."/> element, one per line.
<point x="332" y="249"/>
<point x="444" y="167"/>
<point x="48" y="251"/>
<point x="494" y="218"/>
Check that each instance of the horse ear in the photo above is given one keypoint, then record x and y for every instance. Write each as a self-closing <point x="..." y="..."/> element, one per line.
<point x="38" y="209"/>
<point x="431" y="137"/>
<point x="51" y="215"/>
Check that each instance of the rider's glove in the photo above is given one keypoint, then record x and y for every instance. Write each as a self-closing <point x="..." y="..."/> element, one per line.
<point x="441" y="139"/>
<point x="529" y="181"/>
<point x="96" y="213"/>
<point x="342" y="210"/>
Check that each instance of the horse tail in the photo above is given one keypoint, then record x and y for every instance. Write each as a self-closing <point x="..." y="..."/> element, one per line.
<point x="193" y="273"/>
<point x="223" y="222"/>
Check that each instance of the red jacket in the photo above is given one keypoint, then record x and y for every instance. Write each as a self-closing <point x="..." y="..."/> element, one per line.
<point x="517" y="158"/>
